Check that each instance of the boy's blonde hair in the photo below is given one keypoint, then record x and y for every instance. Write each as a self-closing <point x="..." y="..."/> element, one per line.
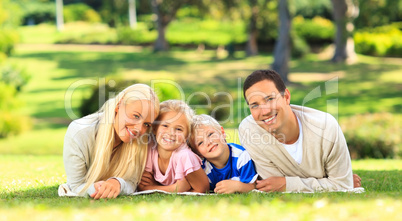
<point x="130" y="158"/>
<point x="179" y="107"/>
<point x="202" y="120"/>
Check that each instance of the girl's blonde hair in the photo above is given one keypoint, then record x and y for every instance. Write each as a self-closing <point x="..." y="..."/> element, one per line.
<point x="129" y="159"/>
<point x="176" y="106"/>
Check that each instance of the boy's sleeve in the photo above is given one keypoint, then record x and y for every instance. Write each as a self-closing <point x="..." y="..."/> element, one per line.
<point x="246" y="168"/>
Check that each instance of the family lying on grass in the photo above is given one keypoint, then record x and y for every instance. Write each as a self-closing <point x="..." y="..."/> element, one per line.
<point x="134" y="143"/>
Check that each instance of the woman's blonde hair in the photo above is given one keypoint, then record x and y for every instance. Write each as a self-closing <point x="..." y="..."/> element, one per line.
<point x="129" y="159"/>
<point x="179" y="107"/>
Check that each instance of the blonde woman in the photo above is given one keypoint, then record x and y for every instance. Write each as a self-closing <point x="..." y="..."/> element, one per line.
<point x="105" y="152"/>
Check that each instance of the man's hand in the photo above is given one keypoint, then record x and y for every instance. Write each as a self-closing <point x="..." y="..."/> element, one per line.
<point x="106" y="189"/>
<point x="272" y="184"/>
<point x="357" y="181"/>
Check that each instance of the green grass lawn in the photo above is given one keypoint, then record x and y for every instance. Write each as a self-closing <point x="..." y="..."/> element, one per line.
<point x="371" y="85"/>
<point x="31" y="163"/>
<point x="28" y="190"/>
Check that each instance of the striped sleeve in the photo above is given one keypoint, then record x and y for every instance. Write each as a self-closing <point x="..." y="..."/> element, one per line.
<point x="246" y="168"/>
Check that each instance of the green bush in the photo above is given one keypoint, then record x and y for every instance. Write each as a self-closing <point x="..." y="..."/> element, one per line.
<point x="209" y="32"/>
<point x="299" y="46"/>
<point x="80" y="12"/>
<point x="314" y="31"/>
<point x="8" y="39"/>
<point x="86" y="33"/>
<point x="11" y="122"/>
<point x="380" y="41"/>
<point x="373" y="135"/>
<point x="10" y="14"/>
<point x="213" y="103"/>
<point x="101" y="93"/>
<point x="14" y="77"/>
<point x="374" y="13"/>
<point x="309" y="9"/>
<point x="36" y="12"/>
<point x="140" y="35"/>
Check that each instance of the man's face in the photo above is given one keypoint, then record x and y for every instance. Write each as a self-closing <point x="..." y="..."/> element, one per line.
<point x="269" y="108"/>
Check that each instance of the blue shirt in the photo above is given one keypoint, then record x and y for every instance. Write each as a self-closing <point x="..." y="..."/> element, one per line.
<point x="239" y="167"/>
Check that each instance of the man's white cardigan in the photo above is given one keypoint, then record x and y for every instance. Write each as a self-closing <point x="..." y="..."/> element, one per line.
<point x="325" y="165"/>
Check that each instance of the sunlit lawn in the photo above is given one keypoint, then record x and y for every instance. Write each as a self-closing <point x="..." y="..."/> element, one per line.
<point x="28" y="190"/>
<point x="32" y="167"/>
<point x="62" y="76"/>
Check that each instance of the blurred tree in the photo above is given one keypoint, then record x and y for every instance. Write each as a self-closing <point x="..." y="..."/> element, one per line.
<point x="59" y="15"/>
<point x="254" y="13"/>
<point x="252" y="44"/>
<point x="375" y="13"/>
<point x="283" y="44"/>
<point x="165" y="11"/>
<point x="132" y="14"/>
<point x="311" y="9"/>
<point x="344" y="13"/>
<point x="114" y="12"/>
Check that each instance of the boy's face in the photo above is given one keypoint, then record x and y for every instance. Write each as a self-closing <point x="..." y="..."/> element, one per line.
<point x="209" y="142"/>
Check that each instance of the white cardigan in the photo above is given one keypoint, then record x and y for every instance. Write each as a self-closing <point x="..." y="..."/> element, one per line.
<point x="326" y="164"/>
<point x="79" y="143"/>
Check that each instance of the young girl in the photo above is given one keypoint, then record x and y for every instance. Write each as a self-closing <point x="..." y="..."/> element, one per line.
<point x="105" y="152"/>
<point x="171" y="165"/>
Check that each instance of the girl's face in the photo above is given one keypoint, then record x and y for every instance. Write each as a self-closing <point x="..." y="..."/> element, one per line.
<point x="133" y="119"/>
<point x="172" y="131"/>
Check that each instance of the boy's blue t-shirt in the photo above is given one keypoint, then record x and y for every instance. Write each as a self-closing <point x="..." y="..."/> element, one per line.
<point x="239" y="167"/>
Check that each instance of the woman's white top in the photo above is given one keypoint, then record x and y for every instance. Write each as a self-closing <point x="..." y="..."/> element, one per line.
<point x="79" y="143"/>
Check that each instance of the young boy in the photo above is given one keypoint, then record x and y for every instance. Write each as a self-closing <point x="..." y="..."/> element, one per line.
<point x="228" y="166"/>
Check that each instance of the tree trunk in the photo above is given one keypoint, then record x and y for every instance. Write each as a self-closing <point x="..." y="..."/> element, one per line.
<point x="160" y="43"/>
<point x="282" y="46"/>
<point x="252" y="45"/>
<point x="344" y="13"/>
<point x="132" y="14"/>
<point x="59" y="15"/>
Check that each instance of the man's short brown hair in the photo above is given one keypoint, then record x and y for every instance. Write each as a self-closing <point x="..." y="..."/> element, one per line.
<point x="261" y="75"/>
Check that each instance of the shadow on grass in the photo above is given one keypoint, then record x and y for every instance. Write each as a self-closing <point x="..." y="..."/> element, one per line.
<point x="95" y="64"/>
<point x="378" y="184"/>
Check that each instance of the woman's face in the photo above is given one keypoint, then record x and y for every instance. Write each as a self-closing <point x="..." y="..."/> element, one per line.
<point x="133" y="119"/>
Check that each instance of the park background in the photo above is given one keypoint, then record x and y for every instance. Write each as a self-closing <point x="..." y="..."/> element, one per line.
<point x="208" y="48"/>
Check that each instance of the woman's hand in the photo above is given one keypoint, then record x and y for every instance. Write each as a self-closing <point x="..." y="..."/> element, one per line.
<point x="106" y="189"/>
<point x="357" y="181"/>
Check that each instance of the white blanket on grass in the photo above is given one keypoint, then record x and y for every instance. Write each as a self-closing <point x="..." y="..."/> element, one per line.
<point x="64" y="190"/>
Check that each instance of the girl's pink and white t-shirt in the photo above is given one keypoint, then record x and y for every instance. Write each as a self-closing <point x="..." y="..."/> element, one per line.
<point x="182" y="162"/>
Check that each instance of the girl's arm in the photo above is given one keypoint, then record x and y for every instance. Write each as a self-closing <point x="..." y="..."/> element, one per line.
<point x="149" y="183"/>
<point x="198" y="181"/>
<point x="233" y="186"/>
<point x="179" y="186"/>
